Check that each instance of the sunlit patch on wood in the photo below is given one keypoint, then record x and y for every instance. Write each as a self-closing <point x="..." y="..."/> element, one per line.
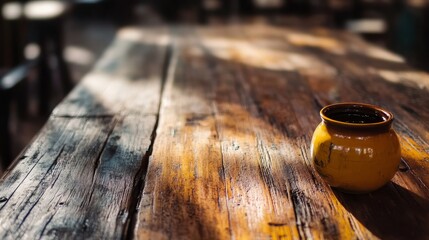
<point x="416" y="78"/>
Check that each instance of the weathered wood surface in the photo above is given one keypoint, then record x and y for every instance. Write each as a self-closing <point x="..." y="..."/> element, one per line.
<point x="204" y="133"/>
<point x="241" y="104"/>
<point x="80" y="177"/>
<point x="126" y="81"/>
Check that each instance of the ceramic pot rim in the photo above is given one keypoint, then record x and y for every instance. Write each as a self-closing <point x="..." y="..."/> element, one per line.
<point x="356" y="105"/>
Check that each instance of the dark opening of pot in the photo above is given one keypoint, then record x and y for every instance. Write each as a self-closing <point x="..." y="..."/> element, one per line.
<point x="356" y="113"/>
<point x="356" y="117"/>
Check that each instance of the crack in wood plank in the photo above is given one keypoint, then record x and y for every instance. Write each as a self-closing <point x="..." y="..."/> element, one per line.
<point x="139" y="179"/>
<point x="98" y="158"/>
<point x="54" y="163"/>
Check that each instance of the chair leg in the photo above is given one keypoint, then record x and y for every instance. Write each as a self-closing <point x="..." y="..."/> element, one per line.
<point x="44" y="76"/>
<point x="58" y="44"/>
<point x="5" y="140"/>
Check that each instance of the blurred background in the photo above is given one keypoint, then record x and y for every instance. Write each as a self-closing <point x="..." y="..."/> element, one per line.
<point x="47" y="46"/>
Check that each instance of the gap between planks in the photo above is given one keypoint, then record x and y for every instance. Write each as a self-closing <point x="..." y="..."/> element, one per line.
<point x="136" y="193"/>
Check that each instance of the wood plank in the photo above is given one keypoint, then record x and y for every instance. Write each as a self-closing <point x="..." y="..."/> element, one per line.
<point x="77" y="179"/>
<point x="184" y="195"/>
<point x="127" y="80"/>
<point x="82" y="175"/>
<point x="258" y="198"/>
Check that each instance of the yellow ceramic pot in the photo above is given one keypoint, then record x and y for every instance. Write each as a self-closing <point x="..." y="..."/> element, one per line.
<point x="354" y="148"/>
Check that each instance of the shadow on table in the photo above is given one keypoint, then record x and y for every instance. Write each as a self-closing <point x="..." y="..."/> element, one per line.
<point x="391" y="212"/>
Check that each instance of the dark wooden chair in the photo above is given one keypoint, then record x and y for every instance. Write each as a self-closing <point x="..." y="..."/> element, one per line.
<point x="41" y="22"/>
<point x="47" y="30"/>
<point x="22" y="22"/>
<point x="11" y="45"/>
<point x="12" y="89"/>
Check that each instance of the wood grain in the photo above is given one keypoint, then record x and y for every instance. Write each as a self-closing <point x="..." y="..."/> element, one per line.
<point x="204" y="133"/>
<point x="266" y="87"/>
<point x="126" y="81"/>
<point x="184" y="195"/>
<point x="81" y="176"/>
<point x="357" y="82"/>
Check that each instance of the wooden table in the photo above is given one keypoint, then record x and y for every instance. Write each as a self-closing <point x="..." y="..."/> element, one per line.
<point x="204" y="133"/>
